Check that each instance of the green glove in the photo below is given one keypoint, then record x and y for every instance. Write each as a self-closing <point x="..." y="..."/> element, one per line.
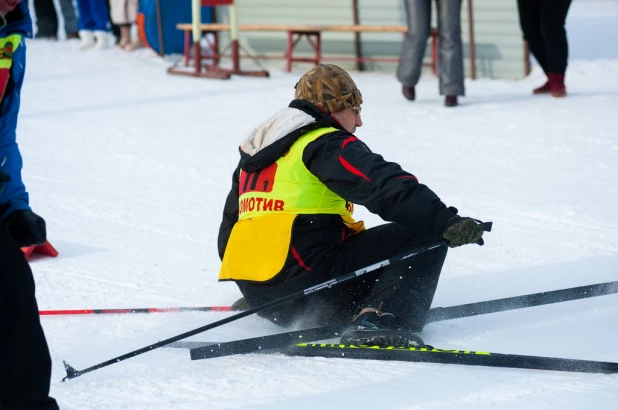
<point x="462" y="231"/>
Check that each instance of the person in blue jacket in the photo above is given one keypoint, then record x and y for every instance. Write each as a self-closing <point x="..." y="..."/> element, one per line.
<point x="26" y="227"/>
<point x="25" y="362"/>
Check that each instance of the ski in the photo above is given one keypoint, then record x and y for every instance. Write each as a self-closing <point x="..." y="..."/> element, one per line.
<point x="520" y="302"/>
<point x="430" y="354"/>
<point x="281" y="340"/>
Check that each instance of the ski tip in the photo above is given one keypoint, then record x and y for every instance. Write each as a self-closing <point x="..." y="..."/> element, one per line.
<point x="71" y="372"/>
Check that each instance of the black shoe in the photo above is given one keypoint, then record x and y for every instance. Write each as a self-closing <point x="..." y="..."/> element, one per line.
<point x="72" y="36"/>
<point x="379" y="329"/>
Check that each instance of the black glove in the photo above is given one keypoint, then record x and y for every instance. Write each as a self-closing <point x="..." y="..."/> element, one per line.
<point x="26" y="227"/>
<point x="462" y="231"/>
<point x="3" y="178"/>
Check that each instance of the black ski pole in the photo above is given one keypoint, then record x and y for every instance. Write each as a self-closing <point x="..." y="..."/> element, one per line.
<point x="73" y="373"/>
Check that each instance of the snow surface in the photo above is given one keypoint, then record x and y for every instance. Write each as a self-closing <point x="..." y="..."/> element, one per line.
<point x="130" y="167"/>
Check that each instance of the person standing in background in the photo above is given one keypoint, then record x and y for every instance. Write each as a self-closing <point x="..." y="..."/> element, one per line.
<point x="124" y="15"/>
<point x="542" y="23"/>
<point x="115" y="28"/>
<point x="93" y="23"/>
<point x="25" y="362"/>
<point x="47" y="19"/>
<point x="450" y="54"/>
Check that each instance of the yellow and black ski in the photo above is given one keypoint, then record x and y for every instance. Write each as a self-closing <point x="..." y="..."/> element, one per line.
<point x="430" y="354"/>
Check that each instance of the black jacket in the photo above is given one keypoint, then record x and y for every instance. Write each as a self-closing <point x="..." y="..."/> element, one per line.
<point x="348" y="168"/>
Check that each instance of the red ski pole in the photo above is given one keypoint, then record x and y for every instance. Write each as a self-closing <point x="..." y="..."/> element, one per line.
<point x="139" y="310"/>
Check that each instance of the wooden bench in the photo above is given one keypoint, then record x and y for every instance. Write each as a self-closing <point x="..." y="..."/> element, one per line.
<point x="295" y="33"/>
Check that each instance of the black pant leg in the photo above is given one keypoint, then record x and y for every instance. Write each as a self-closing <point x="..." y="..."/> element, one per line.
<point x="530" y="22"/>
<point x="24" y="356"/>
<point x="553" y="19"/>
<point x="46" y="18"/>
<point x="404" y="289"/>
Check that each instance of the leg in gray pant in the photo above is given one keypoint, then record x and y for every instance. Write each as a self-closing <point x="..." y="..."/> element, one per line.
<point x="70" y="19"/>
<point x="450" y="55"/>
<point x="418" y="13"/>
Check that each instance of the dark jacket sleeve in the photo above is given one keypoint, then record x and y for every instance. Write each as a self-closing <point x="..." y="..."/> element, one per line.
<point x="230" y="214"/>
<point x="348" y="168"/>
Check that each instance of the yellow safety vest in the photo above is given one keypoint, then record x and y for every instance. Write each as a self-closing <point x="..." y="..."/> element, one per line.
<point x="269" y="201"/>
<point x="8" y="46"/>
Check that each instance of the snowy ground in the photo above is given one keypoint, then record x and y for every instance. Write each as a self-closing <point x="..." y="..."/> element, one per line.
<point x="130" y="168"/>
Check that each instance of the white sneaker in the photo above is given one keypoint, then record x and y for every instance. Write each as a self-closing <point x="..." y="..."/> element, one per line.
<point x="102" y="39"/>
<point x="86" y="40"/>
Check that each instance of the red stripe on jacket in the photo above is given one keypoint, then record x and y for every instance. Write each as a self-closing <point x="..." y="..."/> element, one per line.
<point x="351" y="168"/>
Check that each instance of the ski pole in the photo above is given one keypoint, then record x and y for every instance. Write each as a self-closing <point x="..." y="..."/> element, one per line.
<point x="73" y="373"/>
<point x="137" y="310"/>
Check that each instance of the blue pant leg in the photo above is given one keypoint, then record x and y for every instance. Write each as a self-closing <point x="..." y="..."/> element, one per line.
<point x="85" y="20"/>
<point x="100" y="14"/>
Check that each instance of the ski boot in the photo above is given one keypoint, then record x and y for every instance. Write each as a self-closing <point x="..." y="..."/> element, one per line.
<point x="379" y="329"/>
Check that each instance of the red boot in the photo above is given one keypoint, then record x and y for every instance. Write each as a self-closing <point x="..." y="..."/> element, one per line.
<point x="557" y="87"/>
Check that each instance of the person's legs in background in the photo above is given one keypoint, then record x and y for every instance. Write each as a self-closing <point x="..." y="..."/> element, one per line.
<point x="93" y="23"/>
<point x="70" y="19"/>
<point x="530" y="22"/>
<point x="553" y="18"/>
<point x="124" y="14"/>
<point x="136" y="42"/>
<point x="24" y="354"/>
<point x="100" y="15"/>
<point x="85" y="24"/>
<point x="418" y="14"/>
<point x="450" y="53"/>
<point x="115" y="27"/>
<point x="46" y="19"/>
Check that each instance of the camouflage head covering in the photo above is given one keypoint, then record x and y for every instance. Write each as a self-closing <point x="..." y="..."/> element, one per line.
<point x="328" y="87"/>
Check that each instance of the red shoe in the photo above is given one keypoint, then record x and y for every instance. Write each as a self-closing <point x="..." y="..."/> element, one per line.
<point x="409" y="92"/>
<point x="557" y="87"/>
<point x="450" y="101"/>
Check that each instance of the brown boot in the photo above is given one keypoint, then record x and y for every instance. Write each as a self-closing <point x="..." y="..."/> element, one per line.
<point x="409" y="92"/>
<point x="557" y="87"/>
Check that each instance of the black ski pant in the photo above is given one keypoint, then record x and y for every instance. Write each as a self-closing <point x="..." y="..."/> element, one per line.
<point x="25" y="364"/>
<point x="46" y="18"/>
<point x="405" y="289"/>
<point x="542" y="23"/>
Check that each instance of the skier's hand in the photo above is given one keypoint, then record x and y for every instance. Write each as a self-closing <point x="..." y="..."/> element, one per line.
<point x="240" y="304"/>
<point x="462" y="231"/>
<point x="26" y="227"/>
<point x="3" y="178"/>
